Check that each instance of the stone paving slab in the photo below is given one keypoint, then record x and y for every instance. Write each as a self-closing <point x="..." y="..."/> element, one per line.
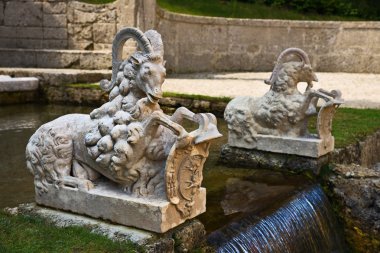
<point x="359" y="90"/>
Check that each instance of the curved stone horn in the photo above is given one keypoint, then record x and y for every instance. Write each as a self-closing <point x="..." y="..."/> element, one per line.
<point x="117" y="51"/>
<point x="280" y="60"/>
<point x="156" y="41"/>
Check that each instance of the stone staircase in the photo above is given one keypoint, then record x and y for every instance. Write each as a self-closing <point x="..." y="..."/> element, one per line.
<point x="58" y="76"/>
<point x="55" y="58"/>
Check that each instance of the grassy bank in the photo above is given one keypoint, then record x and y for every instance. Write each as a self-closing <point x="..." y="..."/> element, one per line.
<point x="27" y="233"/>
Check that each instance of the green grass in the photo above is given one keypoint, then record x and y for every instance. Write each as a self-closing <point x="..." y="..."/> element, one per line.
<point x="197" y="97"/>
<point x="351" y="125"/>
<point x="29" y="234"/>
<point x="234" y="9"/>
<point x="84" y="86"/>
<point x="166" y="94"/>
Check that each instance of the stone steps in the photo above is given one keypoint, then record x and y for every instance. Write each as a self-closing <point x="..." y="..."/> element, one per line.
<point x="56" y="77"/>
<point x="55" y="58"/>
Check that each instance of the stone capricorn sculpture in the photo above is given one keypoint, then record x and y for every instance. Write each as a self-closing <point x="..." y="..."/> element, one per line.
<point x="283" y="111"/>
<point x="128" y="139"/>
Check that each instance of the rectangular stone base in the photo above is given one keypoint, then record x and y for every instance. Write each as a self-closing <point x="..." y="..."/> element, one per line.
<point x="309" y="147"/>
<point x="107" y="201"/>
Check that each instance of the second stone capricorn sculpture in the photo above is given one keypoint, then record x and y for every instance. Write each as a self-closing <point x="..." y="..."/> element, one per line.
<point x="127" y="161"/>
<point x="278" y="121"/>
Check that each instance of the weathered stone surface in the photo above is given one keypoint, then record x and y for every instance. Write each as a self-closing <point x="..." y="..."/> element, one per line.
<point x="13" y="58"/>
<point x="54" y="44"/>
<point x="55" y="33"/>
<point x="23" y="13"/>
<point x="21" y="32"/>
<point x="364" y="152"/>
<point x="80" y="32"/>
<point x="92" y="60"/>
<point x="20" y="97"/>
<point x="8" y="84"/>
<point x="356" y="190"/>
<point x="189" y="237"/>
<point x="58" y="77"/>
<point x="54" y="20"/>
<point x="1" y="13"/>
<point x="333" y="46"/>
<point x="107" y="201"/>
<point x="310" y="147"/>
<point x="251" y="158"/>
<point x="54" y="7"/>
<point x="104" y="33"/>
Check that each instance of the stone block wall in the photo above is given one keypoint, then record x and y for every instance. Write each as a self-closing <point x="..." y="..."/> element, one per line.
<point x="192" y="43"/>
<point x="62" y="24"/>
<point x="201" y="44"/>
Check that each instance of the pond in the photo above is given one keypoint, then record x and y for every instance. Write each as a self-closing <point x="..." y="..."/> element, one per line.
<point x="232" y="193"/>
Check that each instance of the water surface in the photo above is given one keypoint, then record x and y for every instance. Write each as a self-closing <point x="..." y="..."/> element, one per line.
<point x="231" y="192"/>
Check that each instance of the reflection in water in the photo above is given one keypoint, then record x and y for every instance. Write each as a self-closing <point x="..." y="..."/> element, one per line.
<point x="304" y="224"/>
<point x="17" y="124"/>
<point x="234" y="195"/>
<point x="243" y="196"/>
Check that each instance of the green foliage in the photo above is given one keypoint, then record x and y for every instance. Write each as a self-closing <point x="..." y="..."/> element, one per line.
<point x="264" y="9"/>
<point x="28" y="233"/>
<point x="367" y="9"/>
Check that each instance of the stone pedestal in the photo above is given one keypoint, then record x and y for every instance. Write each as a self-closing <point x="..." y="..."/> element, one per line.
<point x="253" y="158"/>
<point x="108" y="202"/>
<point x="308" y="147"/>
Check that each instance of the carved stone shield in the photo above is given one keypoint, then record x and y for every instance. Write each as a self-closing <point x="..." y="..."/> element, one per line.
<point x="184" y="175"/>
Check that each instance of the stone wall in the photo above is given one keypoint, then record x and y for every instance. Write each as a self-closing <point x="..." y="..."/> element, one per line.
<point x="192" y="43"/>
<point x="62" y="24"/>
<point x="195" y="44"/>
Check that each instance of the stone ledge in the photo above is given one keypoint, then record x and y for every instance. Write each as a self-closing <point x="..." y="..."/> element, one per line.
<point x="9" y="84"/>
<point x="108" y="202"/>
<point x="50" y="58"/>
<point x="57" y="77"/>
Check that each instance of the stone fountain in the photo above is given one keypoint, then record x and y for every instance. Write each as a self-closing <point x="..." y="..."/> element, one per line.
<point x="126" y="161"/>
<point x="271" y="130"/>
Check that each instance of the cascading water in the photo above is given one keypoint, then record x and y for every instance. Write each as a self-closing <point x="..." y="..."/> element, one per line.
<point x="304" y="224"/>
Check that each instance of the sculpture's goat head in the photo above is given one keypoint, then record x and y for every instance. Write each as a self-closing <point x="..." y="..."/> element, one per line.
<point x="301" y="72"/>
<point x="151" y="72"/>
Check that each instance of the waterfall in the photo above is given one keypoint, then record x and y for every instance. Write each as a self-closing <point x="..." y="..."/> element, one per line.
<point x="304" y="224"/>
